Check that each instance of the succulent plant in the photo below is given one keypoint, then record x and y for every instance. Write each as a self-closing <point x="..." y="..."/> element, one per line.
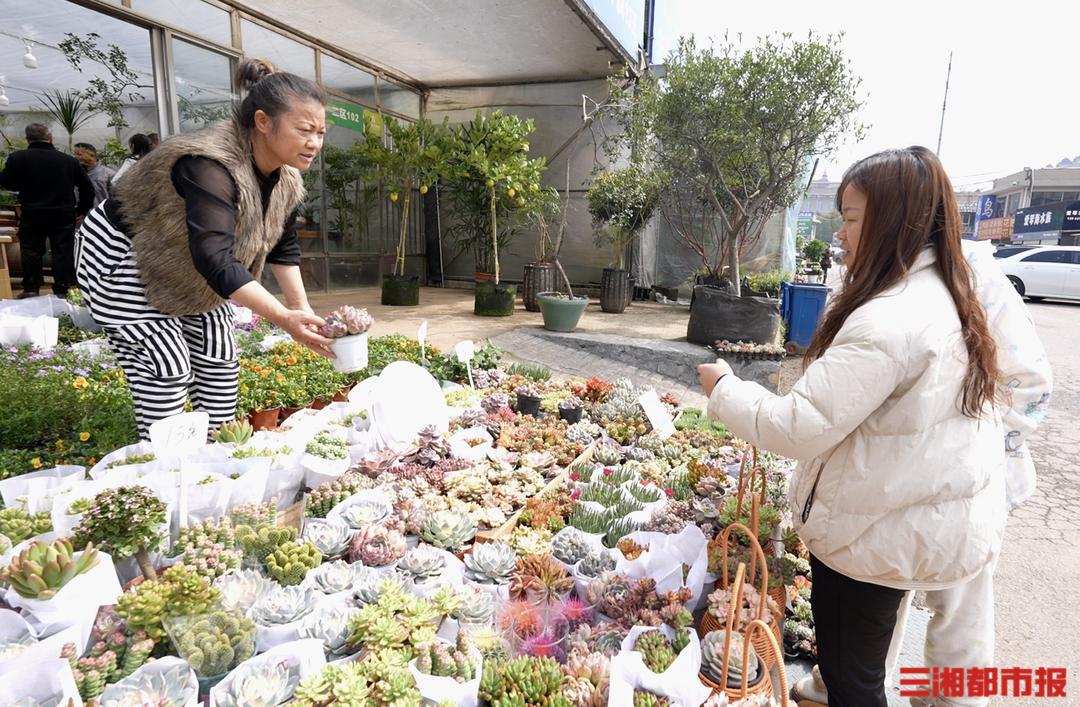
<point x="331" y="626"/>
<point x="569" y="546"/>
<point x="490" y="563"/>
<point x="346" y="320"/>
<point x="630" y="549"/>
<point x="18" y="525"/>
<point x="596" y="562"/>
<point x="377" y="545"/>
<point x="241" y="589"/>
<point x="211" y="530"/>
<point x="330" y="537"/>
<point x="259" y="544"/>
<point x="448" y="530"/>
<point x="263" y="684"/>
<point x="720" y="604"/>
<point x="283" y="605"/>
<point x="215" y="643"/>
<point x="607" y="455"/>
<point x="42" y="569"/>
<point x="712" y="656"/>
<point x="525" y="680"/>
<point x="166" y="688"/>
<point x="289" y="563"/>
<point x="326" y="446"/>
<point x="644" y="698"/>
<point x="211" y="560"/>
<point x="476" y="606"/>
<point x="337" y="576"/>
<point x="142" y="528"/>
<point x="369" y="587"/>
<point x="423" y="563"/>
<point x="254" y="515"/>
<point x="540" y="573"/>
<point x="657" y="652"/>
<point x="608" y="592"/>
<point x="447" y="660"/>
<point x="319" y="502"/>
<point x="364" y="513"/>
<point x="233" y="432"/>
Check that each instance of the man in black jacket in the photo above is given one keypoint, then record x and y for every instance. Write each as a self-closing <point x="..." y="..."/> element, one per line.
<point x="46" y="180"/>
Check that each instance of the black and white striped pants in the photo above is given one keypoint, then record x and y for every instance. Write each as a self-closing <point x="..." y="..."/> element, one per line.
<point x="167" y="360"/>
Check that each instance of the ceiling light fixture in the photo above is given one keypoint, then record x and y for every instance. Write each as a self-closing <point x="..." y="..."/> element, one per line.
<point x="29" y="60"/>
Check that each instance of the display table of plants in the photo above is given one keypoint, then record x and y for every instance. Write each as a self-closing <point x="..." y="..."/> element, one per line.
<point x="521" y="541"/>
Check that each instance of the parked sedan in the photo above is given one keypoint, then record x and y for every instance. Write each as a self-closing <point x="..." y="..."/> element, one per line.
<point x="1050" y="271"/>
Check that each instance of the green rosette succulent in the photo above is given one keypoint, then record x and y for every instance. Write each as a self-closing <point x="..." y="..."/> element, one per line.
<point x="448" y="530"/>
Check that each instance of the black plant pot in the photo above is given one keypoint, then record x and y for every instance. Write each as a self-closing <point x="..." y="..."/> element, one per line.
<point x="401" y="290"/>
<point x="717" y="314"/>
<point x="539" y="277"/>
<point x="494" y="300"/>
<point x="615" y="290"/>
<point x="571" y="415"/>
<point x="528" y="404"/>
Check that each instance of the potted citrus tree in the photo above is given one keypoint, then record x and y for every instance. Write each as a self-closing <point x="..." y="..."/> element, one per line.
<point x="487" y="172"/>
<point x="621" y="203"/>
<point x="411" y="160"/>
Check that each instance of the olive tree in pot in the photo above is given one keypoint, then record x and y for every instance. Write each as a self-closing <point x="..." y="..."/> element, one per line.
<point x="621" y="203"/>
<point x="406" y="157"/>
<point x="489" y="173"/>
<point x="722" y="183"/>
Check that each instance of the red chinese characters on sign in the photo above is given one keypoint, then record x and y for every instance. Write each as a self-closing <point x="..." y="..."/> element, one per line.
<point x="995" y="228"/>
<point x="982" y="682"/>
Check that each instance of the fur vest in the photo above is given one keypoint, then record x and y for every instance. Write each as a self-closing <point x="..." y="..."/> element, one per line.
<point x="155" y="216"/>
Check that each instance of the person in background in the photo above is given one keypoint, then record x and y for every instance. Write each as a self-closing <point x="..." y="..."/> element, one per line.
<point x="100" y="175"/>
<point x="47" y="181"/>
<point x="190" y="227"/>
<point x="153" y="140"/>
<point x="139" y="146"/>
<point x="896" y="423"/>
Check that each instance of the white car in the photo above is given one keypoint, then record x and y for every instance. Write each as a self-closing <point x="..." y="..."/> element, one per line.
<point x="1047" y="271"/>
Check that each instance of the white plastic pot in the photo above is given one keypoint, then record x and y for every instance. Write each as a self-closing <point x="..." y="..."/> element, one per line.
<point x="351" y="352"/>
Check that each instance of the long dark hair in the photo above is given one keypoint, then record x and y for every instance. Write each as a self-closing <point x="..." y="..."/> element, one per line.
<point x="140" y="145"/>
<point x="271" y="91"/>
<point x="910" y="205"/>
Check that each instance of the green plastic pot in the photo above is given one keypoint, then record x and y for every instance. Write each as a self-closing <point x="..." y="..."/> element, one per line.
<point x="494" y="300"/>
<point x="560" y="312"/>
<point x="401" y="290"/>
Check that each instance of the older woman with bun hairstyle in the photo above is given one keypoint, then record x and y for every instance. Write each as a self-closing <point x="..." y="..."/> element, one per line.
<point x="895" y="422"/>
<point x="190" y="227"/>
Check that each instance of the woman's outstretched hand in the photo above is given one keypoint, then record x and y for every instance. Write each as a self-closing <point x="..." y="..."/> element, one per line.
<point x="302" y="327"/>
<point x="709" y="374"/>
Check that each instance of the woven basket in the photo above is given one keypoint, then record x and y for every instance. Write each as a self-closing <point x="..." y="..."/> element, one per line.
<point x="762" y="637"/>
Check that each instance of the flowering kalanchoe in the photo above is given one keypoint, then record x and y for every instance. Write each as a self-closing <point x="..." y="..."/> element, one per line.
<point x="346" y="320"/>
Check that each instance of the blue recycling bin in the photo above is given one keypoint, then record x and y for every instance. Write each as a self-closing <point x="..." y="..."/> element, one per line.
<point x="801" y="307"/>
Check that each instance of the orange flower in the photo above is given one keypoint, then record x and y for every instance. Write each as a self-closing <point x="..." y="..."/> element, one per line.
<point x="36" y="462"/>
<point x="80" y="383"/>
<point x="291" y="360"/>
<point x="83" y="436"/>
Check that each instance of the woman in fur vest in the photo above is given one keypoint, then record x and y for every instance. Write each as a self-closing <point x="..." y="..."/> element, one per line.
<point x="188" y="229"/>
<point x="895" y="422"/>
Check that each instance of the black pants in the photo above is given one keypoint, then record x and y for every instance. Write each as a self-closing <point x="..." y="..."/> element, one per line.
<point x="58" y="227"/>
<point x="854" y="623"/>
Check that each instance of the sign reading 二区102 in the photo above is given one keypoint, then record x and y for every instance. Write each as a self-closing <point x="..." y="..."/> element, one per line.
<point x="345" y="115"/>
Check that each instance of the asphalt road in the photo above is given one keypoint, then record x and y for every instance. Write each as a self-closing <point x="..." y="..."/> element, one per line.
<point x="1038" y="575"/>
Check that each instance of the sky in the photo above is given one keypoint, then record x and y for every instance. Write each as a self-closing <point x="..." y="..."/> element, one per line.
<point x="1013" y="98"/>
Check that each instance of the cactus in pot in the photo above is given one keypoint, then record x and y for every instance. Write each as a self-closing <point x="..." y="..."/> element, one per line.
<point x="377" y="545"/>
<point x="490" y="563"/>
<point x="42" y="569"/>
<point x="289" y="563"/>
<point x="265" y="684"/>
<point x="259" y="544"/>
<point x="448" y="530"/>
<point x="331" y="626"/>
<point x="283" y="605"/>
<point x="330" y="537"/>
<point x="423" y="563"/>
<point x="215" y="643"/>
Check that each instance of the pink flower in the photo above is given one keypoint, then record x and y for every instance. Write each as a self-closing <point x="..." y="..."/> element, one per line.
<point x="669" y="492"/>
<point x="574" y="495"/>
<point x="575" y="476"/>
<point x="607" y="471"/>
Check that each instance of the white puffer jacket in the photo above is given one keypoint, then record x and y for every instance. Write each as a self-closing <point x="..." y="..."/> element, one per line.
<point x="895" y="486"/>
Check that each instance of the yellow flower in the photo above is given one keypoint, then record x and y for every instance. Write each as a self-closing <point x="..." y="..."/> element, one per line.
<point x="80" y="383"/>
<point x="59" y="445"/>
<point x="83" y="436"/>
<point x="36" y="462"/>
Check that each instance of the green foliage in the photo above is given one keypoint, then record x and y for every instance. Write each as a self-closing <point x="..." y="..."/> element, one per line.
<point x="621" y="203"/>
<point x="112" y="154"/>
<point x="351" y="198"/>
<point x="768" y="282"/>
<point x="142" y="514"/>
<point x="729" y="132"/>
<point x="60" y="406"/>
<point x="532" y="371"/>
<point x="695" y="419"/>
<point x="814" y="250"/>
<point x="106" y="95"/>
<point x="68" y="109"/>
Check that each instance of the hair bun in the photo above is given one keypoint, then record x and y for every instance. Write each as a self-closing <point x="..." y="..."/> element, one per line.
<point x="251" y="71"/>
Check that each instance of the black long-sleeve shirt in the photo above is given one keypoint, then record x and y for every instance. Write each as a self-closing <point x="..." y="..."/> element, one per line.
<point x="47" y="178"/>
<point x="210" y="196"/>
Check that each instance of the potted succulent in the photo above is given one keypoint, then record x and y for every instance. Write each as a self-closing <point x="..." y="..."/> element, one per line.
<point x="528" y="400"/>
<point x="128" y="521"/>
<point x="348" y="326"/>
<point x="490" y="564"/>
<point x="712" y="661"/>
<point x="42" y="569"/>
<point x="266" y="683"/>
<point x="330" y="624"/>
<point x="621" y="203"/>
<point x="413" y="160"/>
<point x="213" y="644"/>
<point x="377" y="546"/>
<point x="571" y="409"/>
<point x="448" y="530"/>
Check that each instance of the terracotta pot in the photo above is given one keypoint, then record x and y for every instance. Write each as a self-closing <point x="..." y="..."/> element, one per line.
<point x="342" y="395"/>
<point x="264" y="419"/>
<point x="317" y="404"/>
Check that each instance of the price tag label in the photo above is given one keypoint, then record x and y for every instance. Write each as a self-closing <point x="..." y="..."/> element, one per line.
<point x="421" y="334"/>
<point x="464" y="351"/>
<point x="179" y="435"/>
<point x="657" y="414"/>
